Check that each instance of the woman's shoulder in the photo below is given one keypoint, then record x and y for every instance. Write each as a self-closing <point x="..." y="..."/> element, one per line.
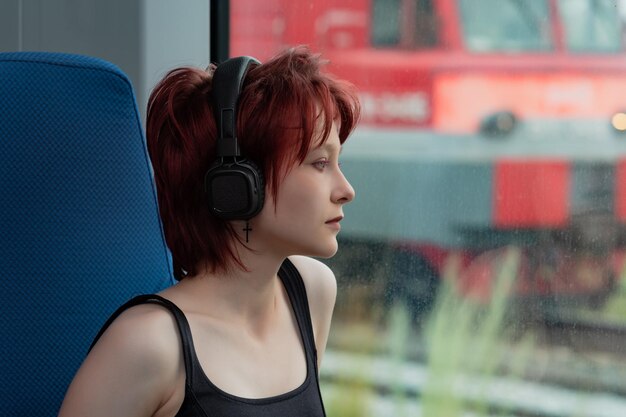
<point x="319" y="279"/>
<point x="321" y="287"/>
<point x="137" y="365"/>
<point x="147" y="333"/>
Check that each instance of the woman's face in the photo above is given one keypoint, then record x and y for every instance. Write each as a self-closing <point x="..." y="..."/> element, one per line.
<point x="304" y="219"/>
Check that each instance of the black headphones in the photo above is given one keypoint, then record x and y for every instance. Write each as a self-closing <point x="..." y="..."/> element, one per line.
<point x="234" y="185"/>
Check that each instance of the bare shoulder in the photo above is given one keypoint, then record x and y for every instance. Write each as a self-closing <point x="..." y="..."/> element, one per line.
<point x="318" y="278"/>
<point x="146" y="330"/>
<point x="321" y="288"/>
<point x="148" y="336"/>
<point x="136" y="358"/>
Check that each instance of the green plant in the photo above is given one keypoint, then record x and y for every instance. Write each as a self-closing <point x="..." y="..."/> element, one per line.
<point x="464" y="339"/>
<point x="467" y="338"/>
<point x="348" y="399"/>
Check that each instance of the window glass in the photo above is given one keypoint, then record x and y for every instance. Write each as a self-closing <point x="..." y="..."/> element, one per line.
<point x="405" y="23"/>
<point x="591" y="25"/>
<point x="482" y="265"/>
<point x="509" y="25"/>
<point x="385" y="22"/>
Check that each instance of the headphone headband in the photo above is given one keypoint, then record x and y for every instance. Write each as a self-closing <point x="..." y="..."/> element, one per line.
<point x="228" y="80"/>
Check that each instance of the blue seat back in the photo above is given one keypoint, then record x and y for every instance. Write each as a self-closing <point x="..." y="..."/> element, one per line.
<point x="79" y="226"/>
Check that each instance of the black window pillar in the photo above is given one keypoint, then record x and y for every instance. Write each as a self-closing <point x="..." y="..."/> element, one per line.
<point x="220" y="31"/>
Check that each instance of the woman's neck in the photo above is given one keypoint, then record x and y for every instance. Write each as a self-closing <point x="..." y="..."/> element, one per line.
<point x="246" y="298"/>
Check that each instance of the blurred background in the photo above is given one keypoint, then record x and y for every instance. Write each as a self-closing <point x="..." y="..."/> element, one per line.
<point x="482" y="265"/>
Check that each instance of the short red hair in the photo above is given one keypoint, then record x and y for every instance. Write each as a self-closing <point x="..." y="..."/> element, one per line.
<point x="281" y="104"/>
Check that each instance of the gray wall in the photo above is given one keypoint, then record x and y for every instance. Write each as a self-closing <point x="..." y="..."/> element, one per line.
<point x="145" y="38"/>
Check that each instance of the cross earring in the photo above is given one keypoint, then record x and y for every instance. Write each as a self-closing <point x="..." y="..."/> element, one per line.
<point x="247" y="229"/>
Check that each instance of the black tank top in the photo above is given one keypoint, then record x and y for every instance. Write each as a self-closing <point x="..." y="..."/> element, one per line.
<point x="203" y="398"/>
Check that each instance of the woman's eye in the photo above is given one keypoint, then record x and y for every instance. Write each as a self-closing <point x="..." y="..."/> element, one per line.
<point x="321" y="164"/>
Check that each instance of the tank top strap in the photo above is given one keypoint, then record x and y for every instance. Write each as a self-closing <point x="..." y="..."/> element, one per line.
<point x="292" y="280"/>
<point x="189" y="355"/>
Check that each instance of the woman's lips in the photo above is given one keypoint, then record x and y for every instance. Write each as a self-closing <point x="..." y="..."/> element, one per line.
<point x="334" y="223"/>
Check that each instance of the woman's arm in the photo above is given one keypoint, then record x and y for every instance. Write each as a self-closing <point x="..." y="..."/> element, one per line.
<point x="321" y="288"/>
<point x="134" y="370"/>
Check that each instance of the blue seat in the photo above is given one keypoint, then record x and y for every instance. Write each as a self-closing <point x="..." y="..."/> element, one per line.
<point x="79" y="227"/>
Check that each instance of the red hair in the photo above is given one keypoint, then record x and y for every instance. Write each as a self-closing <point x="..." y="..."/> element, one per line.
<point x="282" y="103"/>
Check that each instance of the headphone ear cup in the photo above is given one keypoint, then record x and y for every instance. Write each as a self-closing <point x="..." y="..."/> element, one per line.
<point x="235" y="190"/>
<point x="260" y="188"/>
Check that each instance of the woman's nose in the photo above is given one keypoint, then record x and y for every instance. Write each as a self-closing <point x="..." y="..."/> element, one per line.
<point x="344" y="193"/>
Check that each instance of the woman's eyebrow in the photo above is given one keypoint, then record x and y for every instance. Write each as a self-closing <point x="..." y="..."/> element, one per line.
<point x="329" y="147"/>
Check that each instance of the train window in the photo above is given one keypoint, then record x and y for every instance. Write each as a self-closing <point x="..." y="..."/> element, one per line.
<point x="591" y="25"/>
<point x="406" y="23"/>
<point x="510" y="25"/>
<point x="385" y="22"/>
<point x="482" y="265"/>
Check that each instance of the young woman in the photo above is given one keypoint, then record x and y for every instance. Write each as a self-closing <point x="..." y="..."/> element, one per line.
<point x="243" y="331"/>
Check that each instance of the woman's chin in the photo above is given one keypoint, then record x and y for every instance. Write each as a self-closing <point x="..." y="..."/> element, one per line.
<point x="328" y="252"/>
